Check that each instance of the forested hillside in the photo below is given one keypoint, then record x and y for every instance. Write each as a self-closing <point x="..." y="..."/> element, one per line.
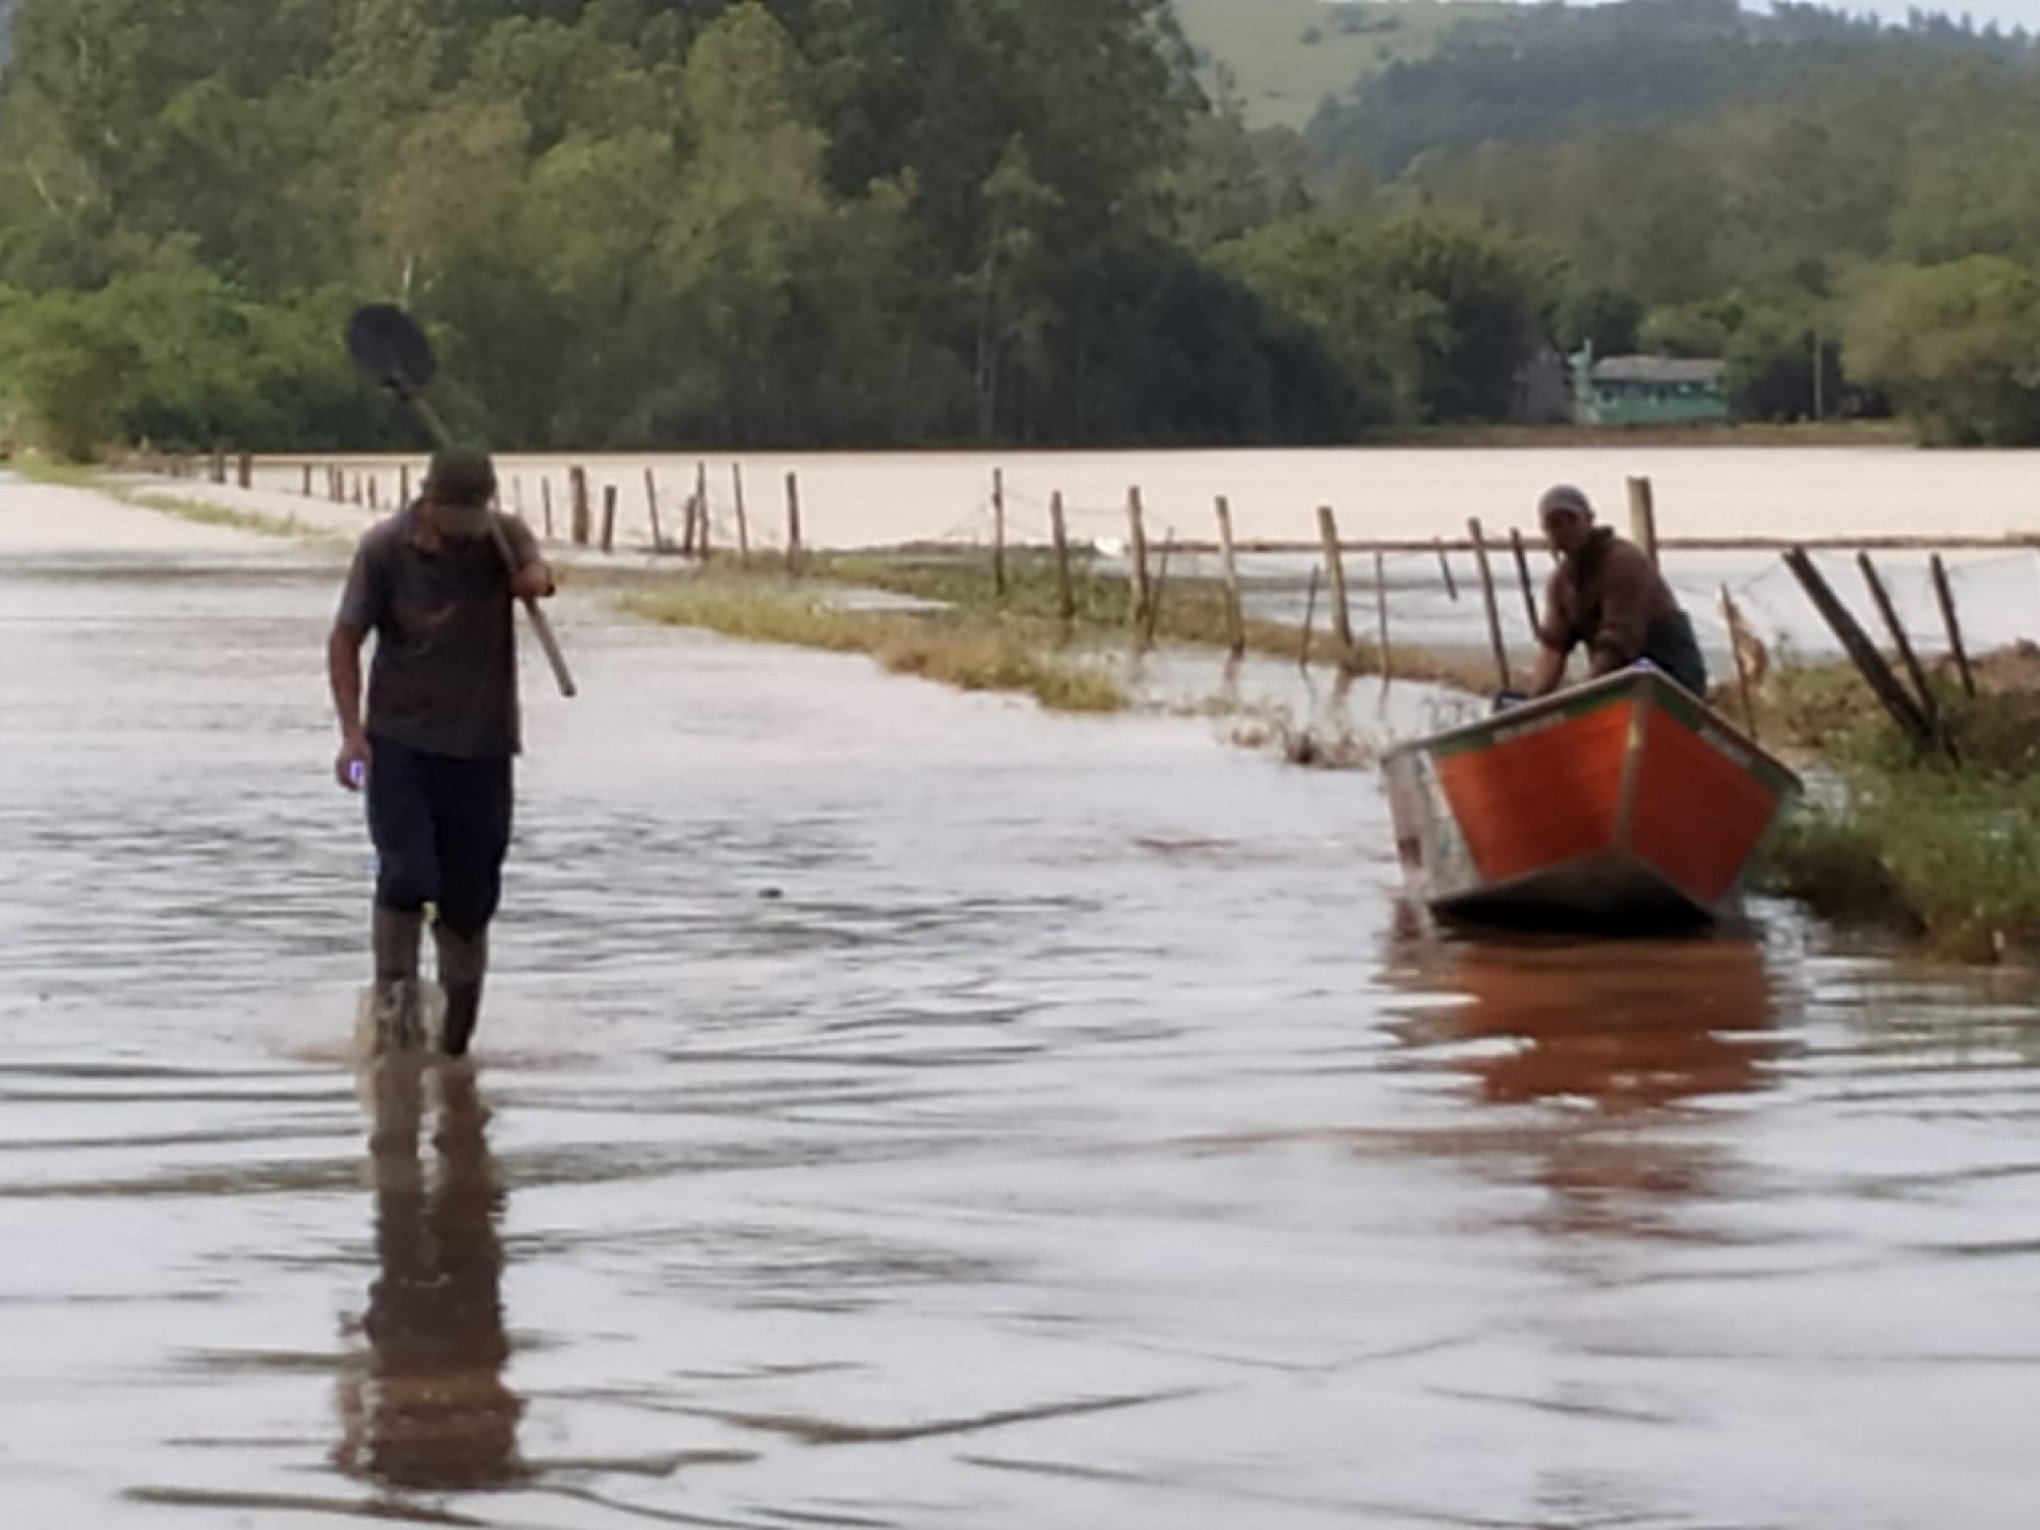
<point x="838" y="222"/>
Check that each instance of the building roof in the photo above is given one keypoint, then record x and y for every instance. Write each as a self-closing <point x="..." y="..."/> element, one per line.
<point x="1656" y="369"/>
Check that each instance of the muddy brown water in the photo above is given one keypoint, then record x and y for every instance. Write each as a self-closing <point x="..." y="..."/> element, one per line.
<point x="905" y="1108"/>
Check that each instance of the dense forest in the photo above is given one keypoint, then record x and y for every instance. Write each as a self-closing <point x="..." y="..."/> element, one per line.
<point x="849" y="222"/>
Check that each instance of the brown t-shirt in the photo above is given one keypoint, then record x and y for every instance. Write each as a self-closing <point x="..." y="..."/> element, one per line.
<point x="1608" y="595"/>
<point x="444" y="678"/>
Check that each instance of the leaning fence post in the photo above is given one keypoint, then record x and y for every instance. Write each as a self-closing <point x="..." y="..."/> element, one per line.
<point x="1445" y="568"/>
<point x="1487" y="595"/>
<point x="1235" y="621"/>
<point x="652" y="509"/>
<point x="1856" y="643"/>
<point x="1643" y="518"/>
<point x="1523" y="575"/>
<point x="1137" y="561"/>
<point x="1946" y="597"/>
<point x="1733" y="617"/>
<point x="1899" y="640"/>
<point x="1065" y="595"/>
<point x="1335" y="575"/>
<point x="793" y="523"/>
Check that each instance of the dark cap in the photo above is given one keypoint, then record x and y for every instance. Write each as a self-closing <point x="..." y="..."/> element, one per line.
<point x="461" y="475"/>
<point x="1563" y="496"/>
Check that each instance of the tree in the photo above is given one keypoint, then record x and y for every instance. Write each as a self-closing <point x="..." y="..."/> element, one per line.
<point x="1957" y="347"/>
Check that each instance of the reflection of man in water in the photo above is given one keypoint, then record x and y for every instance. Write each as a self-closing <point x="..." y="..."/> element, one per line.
<point x="427" y="1407"/>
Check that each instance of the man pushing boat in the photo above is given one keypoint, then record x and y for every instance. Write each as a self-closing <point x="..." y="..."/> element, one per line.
<point x="1607" y="596"/>
<point x="435" y="582"/>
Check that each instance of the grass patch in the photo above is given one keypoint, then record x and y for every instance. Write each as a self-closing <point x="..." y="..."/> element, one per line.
<point x="958" y="648"/>
<point x="205" y="513"/>
<point x="37" y="468"/>
<point x="1946" y="853"/>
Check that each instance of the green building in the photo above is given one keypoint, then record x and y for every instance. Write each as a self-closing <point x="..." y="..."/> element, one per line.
<point x="1648" y="390"/>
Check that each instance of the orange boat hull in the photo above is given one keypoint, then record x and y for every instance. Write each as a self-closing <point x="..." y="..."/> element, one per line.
<point x="1626" y="800"/>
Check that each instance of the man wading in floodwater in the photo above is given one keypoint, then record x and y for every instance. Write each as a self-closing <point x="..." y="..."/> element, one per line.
<point x="1608" y="595"/>
<point x="441" y="729"/>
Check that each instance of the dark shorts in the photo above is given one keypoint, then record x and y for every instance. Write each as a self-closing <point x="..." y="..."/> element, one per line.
<point x="441" y="827"/>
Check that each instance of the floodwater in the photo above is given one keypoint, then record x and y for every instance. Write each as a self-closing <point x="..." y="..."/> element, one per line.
<point x="900" y="1108"/>
<point x="881" y="499"/>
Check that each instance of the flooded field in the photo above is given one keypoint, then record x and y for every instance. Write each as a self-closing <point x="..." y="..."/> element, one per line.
<point x="900" y="1108"/>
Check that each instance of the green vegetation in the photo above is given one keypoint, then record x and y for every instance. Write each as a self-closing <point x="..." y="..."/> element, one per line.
<point x="655" y="223"/>
<point x="1949" y="853"/>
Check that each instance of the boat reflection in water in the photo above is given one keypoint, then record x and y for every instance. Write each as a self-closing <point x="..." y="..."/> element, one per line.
<point x="1606" y="1051"/>
<point x="424" y="1405"/>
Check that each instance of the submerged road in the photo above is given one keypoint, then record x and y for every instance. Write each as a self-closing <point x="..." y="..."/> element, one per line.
<point x="901" y="1108"/>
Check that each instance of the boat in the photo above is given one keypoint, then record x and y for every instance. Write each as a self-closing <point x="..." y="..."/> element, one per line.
<point x="1623" y="803"/>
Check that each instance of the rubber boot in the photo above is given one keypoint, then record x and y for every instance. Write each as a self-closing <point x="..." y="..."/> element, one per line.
<point x="399" y="1003"/>
<point x="463" y="961"/>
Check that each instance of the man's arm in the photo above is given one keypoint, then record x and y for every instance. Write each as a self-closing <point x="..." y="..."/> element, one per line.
<point x="343" y="675"/>
<point x="1554" y="637"/>
<point x="1550" y="670"/>
<point x="360" y="608"/>
<point x="531" y="577"/>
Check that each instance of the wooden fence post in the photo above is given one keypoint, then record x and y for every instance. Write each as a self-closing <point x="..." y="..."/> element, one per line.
<point x="1137" y="560"/>
<point x="1899" y="640"/>
<point x="1445" y="568"/>
<point x="1643" y="518"/>
<point x="305" y="487"/>
<point x="697" y="534"/>
<point x="652" y="510"/>
<point x="1335" y="576"/>
<point x="743" y="528"/>
<point x="245" y="470"/>
<point x="1065" y="594"/>
<point x="1868" y="661"/>
<point x="1309" y="618"/>
<point x="1523" y="574"/>
<point x="1235" y="619"/>
<point x="608" y="516"/>
<point x="1733" y="617"/>
<point x="545" y="494"/>
<point x="793" y="523"/>
<point x="999" y="532"/>
<point x="577" y="487"/>
<point x="1487" y="595"/>
<point x="403" y="483"/>
<point x="1946" y="597"/>
<point x="1381" y="610"/>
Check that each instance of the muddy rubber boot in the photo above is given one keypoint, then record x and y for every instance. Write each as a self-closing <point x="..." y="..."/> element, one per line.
<point x="399" y="1002"/>
<point x="463" y="959"/>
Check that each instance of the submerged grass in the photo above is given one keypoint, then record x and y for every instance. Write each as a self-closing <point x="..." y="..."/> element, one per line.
<point x="1191" y="612"/>
<point x="958" y="648"/>
<point x="265" y="523"/>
